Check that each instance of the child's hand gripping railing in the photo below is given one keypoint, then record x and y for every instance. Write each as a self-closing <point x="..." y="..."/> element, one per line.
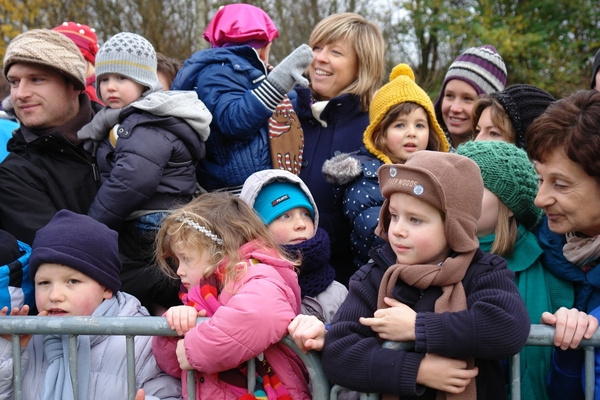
<point x="128" y="327"/>
<point x="539" y="335"/>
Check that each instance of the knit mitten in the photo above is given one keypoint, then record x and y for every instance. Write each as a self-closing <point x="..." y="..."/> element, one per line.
<point x="284" y="76"/>
<point x="289" y="71"/>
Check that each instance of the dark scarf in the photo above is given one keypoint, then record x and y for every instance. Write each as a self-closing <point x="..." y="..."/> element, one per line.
<point x="315" y="272"/>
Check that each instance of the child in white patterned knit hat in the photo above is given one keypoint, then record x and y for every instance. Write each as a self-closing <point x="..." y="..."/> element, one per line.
<point x="147" y="144"/>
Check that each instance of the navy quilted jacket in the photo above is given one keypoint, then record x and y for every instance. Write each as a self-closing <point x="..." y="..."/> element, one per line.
<point x="238" y="144"/>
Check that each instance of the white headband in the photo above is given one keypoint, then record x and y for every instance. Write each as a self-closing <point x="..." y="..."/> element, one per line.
<point x="202" y="229"/>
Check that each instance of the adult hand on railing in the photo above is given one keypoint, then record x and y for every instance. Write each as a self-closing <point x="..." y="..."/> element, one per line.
<point x="183" y="318"/>
<point x="571" y="326"/>
<point x="394" y="323"/>
<point x="308" y="332"/>
<point x="24" y="340"/>
<point x="445" y="374"/>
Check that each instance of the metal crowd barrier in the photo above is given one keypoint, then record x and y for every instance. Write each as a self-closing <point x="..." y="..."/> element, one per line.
<point x="539" y="335"/>
<point x="128" y="327"/>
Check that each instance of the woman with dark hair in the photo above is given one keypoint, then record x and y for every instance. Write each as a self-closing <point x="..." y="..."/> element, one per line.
<point x="505" y="116"/>
<point x="564" y="144"/>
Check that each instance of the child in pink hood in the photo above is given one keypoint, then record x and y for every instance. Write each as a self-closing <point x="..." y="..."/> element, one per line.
<point x="232" y="271"/>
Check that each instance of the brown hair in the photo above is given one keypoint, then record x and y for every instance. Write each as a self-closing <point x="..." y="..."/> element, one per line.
<point x="405" y="108"/>
<point x="500" y="118"/>
<point x="167" y="66"/>
<point x="366" y="39"/>
<point x="505" y="233"/>
<point x="229" y="223"/>
<point x="571" y="125"/>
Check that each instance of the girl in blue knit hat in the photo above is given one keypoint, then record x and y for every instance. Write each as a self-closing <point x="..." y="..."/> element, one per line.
<point x="507" y="216"/>
<point x="287" y="207"/>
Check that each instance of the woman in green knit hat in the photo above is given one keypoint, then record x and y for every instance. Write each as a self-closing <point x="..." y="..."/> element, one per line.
<point x="507" y="215"/>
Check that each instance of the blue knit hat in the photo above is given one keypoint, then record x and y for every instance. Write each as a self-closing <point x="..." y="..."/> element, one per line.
<point x="277" y="198"/>
<point x="79" y="242"/>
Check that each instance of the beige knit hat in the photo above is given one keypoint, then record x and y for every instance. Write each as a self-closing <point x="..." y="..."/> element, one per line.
<point x="449" y="182"/>
<point x="47" y="48"/>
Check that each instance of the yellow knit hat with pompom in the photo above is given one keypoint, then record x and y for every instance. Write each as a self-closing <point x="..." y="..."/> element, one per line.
<point x="400" y="89"/>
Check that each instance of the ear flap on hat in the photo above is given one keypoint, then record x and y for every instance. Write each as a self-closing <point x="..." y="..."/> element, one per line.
<point x="458" y="237"/>
<point x="384" y="220"/>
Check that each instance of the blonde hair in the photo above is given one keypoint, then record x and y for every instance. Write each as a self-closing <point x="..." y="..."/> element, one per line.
<point x="498" y="114"/>
<point x="366" y="40"/>
<point x="380" y="131"/>
<point x="217" y="224"/>
<point x="90" y="69"/>
<point x="505" y="234"/>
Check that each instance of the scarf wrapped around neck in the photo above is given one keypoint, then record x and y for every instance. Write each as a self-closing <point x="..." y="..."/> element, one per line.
<point x="205" y="296"/>
<point x="448" y="276"/>
<point x="315" y="272"/>
<point x="57" y="383"/>
<point x="582" y="251"/>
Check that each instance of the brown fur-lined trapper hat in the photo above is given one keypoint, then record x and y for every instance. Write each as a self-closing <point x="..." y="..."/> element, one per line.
<point x="447" y="181"/>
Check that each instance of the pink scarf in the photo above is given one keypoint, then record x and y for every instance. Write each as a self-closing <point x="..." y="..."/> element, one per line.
<point x="205" y="296"/>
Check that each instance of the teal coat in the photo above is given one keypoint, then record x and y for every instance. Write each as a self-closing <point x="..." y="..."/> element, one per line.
<point x="541" y="291"/>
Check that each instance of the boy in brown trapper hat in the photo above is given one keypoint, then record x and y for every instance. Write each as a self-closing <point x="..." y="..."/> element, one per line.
<point x="429" y="284"/>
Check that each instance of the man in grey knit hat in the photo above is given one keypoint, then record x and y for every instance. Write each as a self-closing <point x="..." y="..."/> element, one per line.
<point x="47" y="168"/>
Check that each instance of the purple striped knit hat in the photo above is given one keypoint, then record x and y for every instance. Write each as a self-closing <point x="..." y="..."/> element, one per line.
<point x="481" y="67"/>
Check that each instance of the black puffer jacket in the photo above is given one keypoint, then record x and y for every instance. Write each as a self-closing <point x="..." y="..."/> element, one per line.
<point x="153" y="166"/>
<point x="45" y="175"/>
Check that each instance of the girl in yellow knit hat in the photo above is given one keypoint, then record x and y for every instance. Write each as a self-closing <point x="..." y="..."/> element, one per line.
<point x="402" y="121"/>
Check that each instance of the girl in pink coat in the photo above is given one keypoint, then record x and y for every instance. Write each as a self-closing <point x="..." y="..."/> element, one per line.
<point x="232" y="271"/>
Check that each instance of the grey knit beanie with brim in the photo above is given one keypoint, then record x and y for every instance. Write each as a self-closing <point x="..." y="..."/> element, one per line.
<point x="48" y="49"/>
<point x="129" y="55"/>
<point x="595" y="68"/>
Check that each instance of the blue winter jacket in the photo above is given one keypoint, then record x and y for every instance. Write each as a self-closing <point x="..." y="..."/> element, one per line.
<point x="355" y="179"/>
<point x="238" y="144"/>
<point x="587" y="284"/>
<point x="16" y="289"/>
<point x="565" y="378"/>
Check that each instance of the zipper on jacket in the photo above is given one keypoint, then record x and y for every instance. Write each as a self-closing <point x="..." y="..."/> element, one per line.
<point x="95" y="171"/>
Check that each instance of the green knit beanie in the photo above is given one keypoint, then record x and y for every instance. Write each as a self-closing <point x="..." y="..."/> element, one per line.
<point x="508" y="173"/>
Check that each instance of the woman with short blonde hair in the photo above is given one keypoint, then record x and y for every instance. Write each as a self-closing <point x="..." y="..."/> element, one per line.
<point x="347" y="69"/>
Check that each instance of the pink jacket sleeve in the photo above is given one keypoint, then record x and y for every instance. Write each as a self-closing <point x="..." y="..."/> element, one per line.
<point x="249" y="320"/>
<point x="164" y="352"/>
